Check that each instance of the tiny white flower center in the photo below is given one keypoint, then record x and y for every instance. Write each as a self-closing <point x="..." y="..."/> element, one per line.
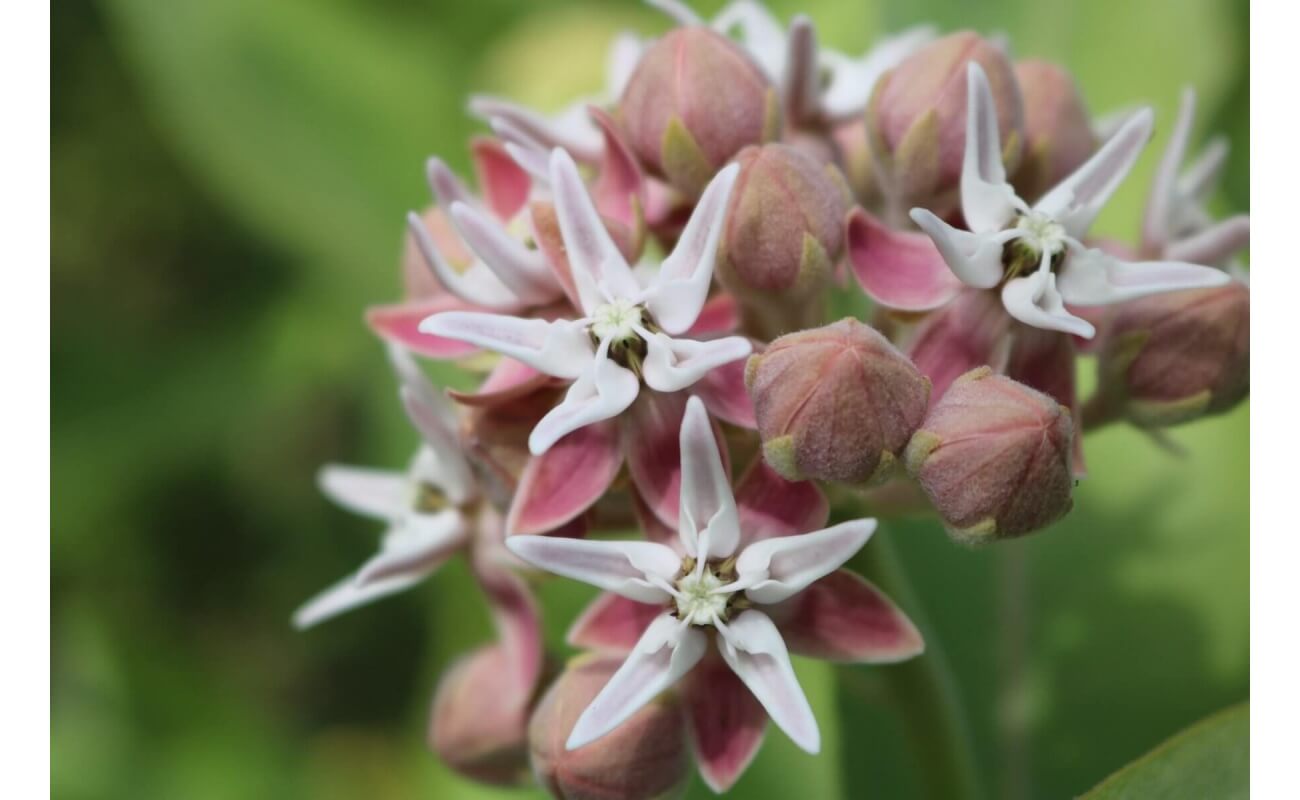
<point x="698" y="601"/>
<point x="1041" y="232"/>
<point x="616" y="320"/>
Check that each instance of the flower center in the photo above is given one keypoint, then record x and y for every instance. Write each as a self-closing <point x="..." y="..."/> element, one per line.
<point x="701" y="596"/>
<point x="616" y="320"/>
<point x="1037" y="234"/>
<point x="427" y="498"/>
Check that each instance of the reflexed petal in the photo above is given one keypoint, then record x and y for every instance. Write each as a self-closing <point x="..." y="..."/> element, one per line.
<point x="844" y="618"/>
<point x="446" y="187"/>
<point x="770" y="506"/>
<point x="1164" y="187"/>
<point x="665" y="653"/>
<point x="612" y="624"/>
<point x="477" y="285"/>
<point x="775" y="569"/>
<point x="347" y="595"/>
<point x="974" y="258"/>
<point x="428" y="414"/>
<point x="1213" y="245"/>
<point x="969" y="332"/>
<point x="753" y="648"/>
<point x="1093" y="278"/>
<point x="652" y="527"/>
<point x="400" y="324"/>
<point x="708" y="507"/>
<point x="416" y="546"/>
<point x="723" y="391"/>
<point x="509" y="380"/>
<point x="379" y="493"/>
<point x="620" y="184"/>
<point x="525" y="272"/>
<point x="650" y="434"/>
<point x="1076" y="201"/>
<point x="516" y="616"/>
<point x="719" y="315"/>
<point x="674" y="364"/>
<point x="598" y="268"/>
<point x="603" y="392"/>
<point x="566" y="480"/>
<point x="727" y="722"/>
<point x="581" y="140"/>
<point x="561" y="348"/>
<point x="679" y="291"/>
<point x="902" y="270"/>
<point x="504" y="183"/>
<point x="987" y="201"/>
<point x="622" y="567"/>
<point x="1034" y="300"/>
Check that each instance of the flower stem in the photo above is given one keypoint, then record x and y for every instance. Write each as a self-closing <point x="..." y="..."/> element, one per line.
<point x="924" y="689"/>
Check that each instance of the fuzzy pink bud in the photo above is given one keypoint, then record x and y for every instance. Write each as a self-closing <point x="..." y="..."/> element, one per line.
<point x="645" y="757"/>
<point x="477" y="727"/>
<point x="855" y="159"/>
<point x="993" y="456"/>
<point x="1174" y="357"/>
<point x="835" y="403"/>
<point x="694" y="100"/>
<point x="1058" y="131"/>
<point x="916" y="120"/>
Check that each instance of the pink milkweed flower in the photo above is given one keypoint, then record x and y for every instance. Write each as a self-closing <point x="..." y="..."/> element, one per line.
<point x="734" y="575"/>
<point x="626" y="335"/>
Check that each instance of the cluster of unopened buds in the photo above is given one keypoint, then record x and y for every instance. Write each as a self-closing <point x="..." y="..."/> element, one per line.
<point x="643" y="282"/>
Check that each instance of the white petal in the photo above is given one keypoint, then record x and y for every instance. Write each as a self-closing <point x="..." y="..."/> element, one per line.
<point x="708" y="507"/>
<point x="1199" y="180"/>
<point x="666" y="651"/>
<point x="1213" y="245"/>
<point x="624" y="54"/>
<point x="975" y="258"/>
<point x="674" y="364"/>
<point x="987" y="201"/>
<point x="778" y="568"/>
<point x="561" y="348"/>
<point x="758" y="31"/>
<point x="755" y="651"/>
<point x="604" y="391"/>
<point x="346" y="595"/>
<point x="416" y="546"/>
<point x="853" y="80"/>
<point x="583" y="141"/>
<point x="434" y="418"/>
<point x="599" y="269"/>
<point x="534" y="159"/>
<point x="1164" y="187"/>
<point x="682" y="286"/>
<point x="525" y="272"/>
<point x="1035" y="301"/>
<point x="1076" y="201"/>
<point x="382" y="494"/>
<point x="447" y="188"/>
<point x="680" y="13"/>
<point x="632" y="569"/>
<point x="1093" y="278"/>
<point x="477" y="285"/>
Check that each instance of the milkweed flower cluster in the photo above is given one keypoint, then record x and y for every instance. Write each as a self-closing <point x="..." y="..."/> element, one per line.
<point x="641" y="282"/>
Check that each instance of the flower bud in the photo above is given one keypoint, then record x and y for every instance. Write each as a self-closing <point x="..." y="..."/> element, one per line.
<point x="418" y="282"/>
<point x="645" y="757"/>
<point x="916" y="120"/>
<point x="993" y="456"/>
<point x="1058" y="131"/>
<point x="835" y="403"/>
<point x="478" y="727"/>
<point x="855" y="159"/>
<point x="1173" y="357"/>
<point x="694" y="100"/>
<point x="783" y="236"/>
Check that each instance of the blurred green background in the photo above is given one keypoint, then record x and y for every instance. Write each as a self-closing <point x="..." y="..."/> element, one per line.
<point x="229" y="181"/>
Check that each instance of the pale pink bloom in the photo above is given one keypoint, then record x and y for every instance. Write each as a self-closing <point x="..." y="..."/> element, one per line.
<point x="626" y="336"/>
<point x="736" y="577"/>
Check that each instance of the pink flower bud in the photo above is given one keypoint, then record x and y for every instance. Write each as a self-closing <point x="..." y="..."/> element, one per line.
<point x="835" y="403"/>
<point x="855" y="159"/>
<point x="917" y="119"/>
<point x="418" y="282"/>
<point x="478" y="727"/>
<point x="1058" y="131"/>
<point x="645" y="757"/>
<point x="694" y="100"/>
<point x="1174" y="357"/>
<point x="993" y="456"/>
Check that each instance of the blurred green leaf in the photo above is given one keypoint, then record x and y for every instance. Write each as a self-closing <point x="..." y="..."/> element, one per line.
<point x="1209" y="759"/>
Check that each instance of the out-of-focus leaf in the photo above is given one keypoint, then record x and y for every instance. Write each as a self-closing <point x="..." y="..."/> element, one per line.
<point x="1209" y="759"/>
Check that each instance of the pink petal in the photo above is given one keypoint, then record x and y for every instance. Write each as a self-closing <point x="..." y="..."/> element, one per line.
<point x="597" y="264"/>
<point x="400" y="324"/>
<point x="652" y="527"/>
<point x="843" y="617"/>
<point x="719" y="315"/>
<point x="546" y="232"/>
<point x="612" y="623"/>
<point x="772" y="506"/>
<point x="620" y="184"/>
<point x="1045" y="360"/>
<point x="723" y="391"/>
<point x="649" y="433"/>
<point x="566" y="480"/>
<point x="517" y="619"/>
<point x="504" y="183"/>
<point x="969" y="332"/>
<point x="727" y="722"/>
<point x="508" y="381"/>
<point x="901" y="270"/>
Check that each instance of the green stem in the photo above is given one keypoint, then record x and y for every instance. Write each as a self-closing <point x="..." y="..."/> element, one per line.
<point x="924" y="689"/>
